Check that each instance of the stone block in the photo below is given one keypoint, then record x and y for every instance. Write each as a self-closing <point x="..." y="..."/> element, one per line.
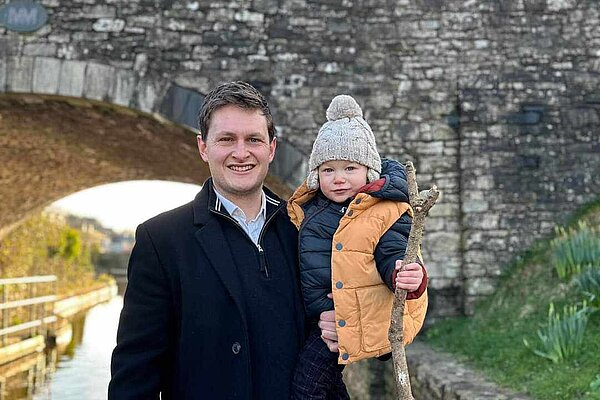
<point x="98" y="81"/>
<point x="431" y="24"/>
<point x="148" y="92"/>
<point x="432" y="148"/>
<point x="176" y="25"/>
<point x="475" y="206"/>
<point x="558" y="5"/>
<point x="480" y="286"/>
<point x="46" y="75"/>
<point x="3" y="65"/>
<point x="19" y="74"/>
<point x="99" y="11"/>
<point x="473" y="258"/>
<point x="109" y="25"/>
<point x="438" y="284"/>
<point x="72" y="76"/>
<point x="524" y="118"/>
<point x="434" y="224"/>
<point x="266" y="6"/>
<point x="582" y="117"/>
<point x="444" y="210"/>
<point x="191" y="80"/>
<point x="482" y="221"/>
<point x="482" y="44"/>
<point x="40" y="49"/>
<point x="143" y="21"/>
<point x="124" y="87"/>
<point x="442" y="244"/>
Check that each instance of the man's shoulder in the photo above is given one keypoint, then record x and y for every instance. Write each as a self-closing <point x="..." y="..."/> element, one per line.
<point x="173" y="219"/>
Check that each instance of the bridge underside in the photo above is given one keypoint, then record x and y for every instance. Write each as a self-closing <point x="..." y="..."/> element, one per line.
<point x="51" y="147"/>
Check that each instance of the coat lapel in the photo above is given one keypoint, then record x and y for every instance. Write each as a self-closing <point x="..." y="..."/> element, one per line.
<point x="213" y="242"/>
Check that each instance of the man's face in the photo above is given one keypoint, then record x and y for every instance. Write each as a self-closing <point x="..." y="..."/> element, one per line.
<point x="237" y="150"/>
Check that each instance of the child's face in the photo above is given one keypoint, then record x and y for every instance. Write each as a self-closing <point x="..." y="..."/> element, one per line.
<point x="340" y="180"/>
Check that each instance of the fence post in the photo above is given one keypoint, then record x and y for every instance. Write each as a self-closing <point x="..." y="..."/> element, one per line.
<point x="32" y="308"/>
<point x="5" y="316"/>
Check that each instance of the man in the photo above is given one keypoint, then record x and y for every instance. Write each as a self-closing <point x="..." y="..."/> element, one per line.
<point x="212" y="309"/>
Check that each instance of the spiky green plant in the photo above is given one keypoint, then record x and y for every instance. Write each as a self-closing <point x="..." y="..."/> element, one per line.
<point x="588" y="283"/>
<point x="595" y="385"/>
<point x="575" y="249"/>
<point x="562" y="337"/>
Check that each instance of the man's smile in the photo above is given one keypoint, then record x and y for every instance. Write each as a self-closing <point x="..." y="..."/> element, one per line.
<point x="241" y="168"/>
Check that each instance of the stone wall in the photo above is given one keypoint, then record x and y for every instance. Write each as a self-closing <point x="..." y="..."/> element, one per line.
<point x="496" y="102"/>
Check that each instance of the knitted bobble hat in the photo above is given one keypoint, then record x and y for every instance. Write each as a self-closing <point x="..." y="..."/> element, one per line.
<point x="345" y="136"/>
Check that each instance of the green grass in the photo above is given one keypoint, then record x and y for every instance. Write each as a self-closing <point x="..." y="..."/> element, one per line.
<point x="492" y="340"/>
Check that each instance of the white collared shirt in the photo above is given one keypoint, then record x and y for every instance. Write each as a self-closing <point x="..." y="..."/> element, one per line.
<point x="252" y="228"/>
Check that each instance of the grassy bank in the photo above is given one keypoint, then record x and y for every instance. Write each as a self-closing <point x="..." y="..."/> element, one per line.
<point x="493" y="339"/>
<point x="46" y="245"/>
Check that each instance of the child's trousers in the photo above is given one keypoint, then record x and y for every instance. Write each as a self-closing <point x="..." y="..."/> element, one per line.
<point x="318" y="376"/>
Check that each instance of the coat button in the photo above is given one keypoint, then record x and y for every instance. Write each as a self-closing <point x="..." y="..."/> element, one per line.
<point x="350" y="213"/>
<point x="339" y="284"/>
<point x="236" y="347"/>
<point x="345" y="356"/>
<point x="339" y="246"/>
<point x="358" y="201"/>
<point x="342" y="323"/>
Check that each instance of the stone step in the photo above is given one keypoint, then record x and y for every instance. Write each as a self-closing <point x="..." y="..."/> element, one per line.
<point x="439" y="375"/>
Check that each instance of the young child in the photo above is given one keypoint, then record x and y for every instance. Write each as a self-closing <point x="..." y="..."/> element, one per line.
<point x="354" y="219"/>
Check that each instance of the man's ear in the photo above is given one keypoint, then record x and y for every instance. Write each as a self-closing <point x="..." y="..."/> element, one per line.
<point x="272" y="147"/>
<point x="202" y="148"/>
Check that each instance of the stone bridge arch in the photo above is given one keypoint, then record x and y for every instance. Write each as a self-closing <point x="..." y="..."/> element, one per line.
<point x="68" y="125"/>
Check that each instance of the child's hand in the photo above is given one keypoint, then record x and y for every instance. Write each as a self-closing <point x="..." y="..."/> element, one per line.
<point x="410" y="277"/>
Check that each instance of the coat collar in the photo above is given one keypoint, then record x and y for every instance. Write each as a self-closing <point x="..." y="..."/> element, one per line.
<point x="207" y="202"/>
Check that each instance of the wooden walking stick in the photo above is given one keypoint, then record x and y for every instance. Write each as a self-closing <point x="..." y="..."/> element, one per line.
<point x="420" y="203"/>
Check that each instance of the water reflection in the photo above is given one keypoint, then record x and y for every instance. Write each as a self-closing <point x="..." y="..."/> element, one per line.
<point x="83" y="368"/>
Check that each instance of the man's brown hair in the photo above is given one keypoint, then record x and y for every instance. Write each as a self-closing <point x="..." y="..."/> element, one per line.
<point x="240" y="94"/>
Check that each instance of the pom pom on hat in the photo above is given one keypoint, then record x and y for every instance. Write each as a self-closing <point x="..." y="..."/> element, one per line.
<point x="343" y="106"/>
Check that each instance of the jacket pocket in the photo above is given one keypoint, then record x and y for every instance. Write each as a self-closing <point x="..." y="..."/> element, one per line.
<point x="375" y="307"/>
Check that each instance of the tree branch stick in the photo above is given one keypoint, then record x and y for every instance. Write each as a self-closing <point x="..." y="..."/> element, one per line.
<point x="420" y="203"/>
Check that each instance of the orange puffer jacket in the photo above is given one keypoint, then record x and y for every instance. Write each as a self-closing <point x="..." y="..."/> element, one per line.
<point x="362" y="301"/>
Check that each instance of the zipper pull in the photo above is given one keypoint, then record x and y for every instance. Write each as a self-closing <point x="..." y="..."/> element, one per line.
<point x="263" y="261"/>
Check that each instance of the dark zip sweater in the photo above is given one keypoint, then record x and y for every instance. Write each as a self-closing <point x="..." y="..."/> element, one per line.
<point x="268" y="289"/>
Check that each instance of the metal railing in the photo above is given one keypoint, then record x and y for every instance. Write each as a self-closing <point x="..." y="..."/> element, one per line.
<point x="33" y="301"/>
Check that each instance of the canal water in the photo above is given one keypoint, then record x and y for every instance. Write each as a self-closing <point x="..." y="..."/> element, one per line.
<point x="82" y="371"/>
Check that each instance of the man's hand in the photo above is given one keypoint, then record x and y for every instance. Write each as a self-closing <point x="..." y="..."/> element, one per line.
<point x="410" y="277"/>
<point x="328" y="332"/>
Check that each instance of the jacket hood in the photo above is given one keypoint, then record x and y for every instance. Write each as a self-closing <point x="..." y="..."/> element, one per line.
<point x="392" y="185"/>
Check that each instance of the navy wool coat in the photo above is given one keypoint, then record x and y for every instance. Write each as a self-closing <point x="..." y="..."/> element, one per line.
<point x="184" y="328"/>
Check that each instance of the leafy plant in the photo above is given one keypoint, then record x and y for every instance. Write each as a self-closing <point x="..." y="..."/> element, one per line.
<point x="588" y="283"/>
<point x="575" y="249"/>
<point x="562" y="336"/>
<point x="595" y="385"/>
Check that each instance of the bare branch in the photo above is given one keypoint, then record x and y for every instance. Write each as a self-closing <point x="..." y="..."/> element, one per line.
<point x="421" y="203"/>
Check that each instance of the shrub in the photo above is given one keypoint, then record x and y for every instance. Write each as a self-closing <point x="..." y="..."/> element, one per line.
<point x="562" y="337"/>
<point x="575" y="249"/>
<point x="588" y="283"/>
<point x="595" y="385"/>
